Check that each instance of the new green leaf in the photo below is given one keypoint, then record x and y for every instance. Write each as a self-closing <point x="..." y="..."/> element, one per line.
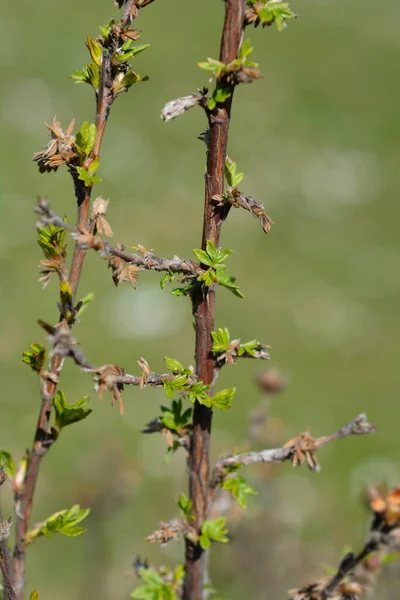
<point x="66" y="414"/>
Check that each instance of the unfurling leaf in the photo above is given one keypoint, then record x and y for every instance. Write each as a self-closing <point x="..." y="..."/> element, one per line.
<point x="223" y="399"/>
<point x="173" y="365"/>
<point x="7" y="463"/>
<point x="66" y="414"/>
<point x="65" y="522"/>
<point x="239" y="488"/>
<point x="213" y="530"/>
<point x="35" y="357"/>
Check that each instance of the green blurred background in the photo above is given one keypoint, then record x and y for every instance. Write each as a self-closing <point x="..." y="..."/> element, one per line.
<point x="318" y="140"/>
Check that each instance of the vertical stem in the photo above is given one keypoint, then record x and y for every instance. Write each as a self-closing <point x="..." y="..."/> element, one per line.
<point x="42" y="440"/>
<point x="104" y="100"/>
<point x="204" y="309"/>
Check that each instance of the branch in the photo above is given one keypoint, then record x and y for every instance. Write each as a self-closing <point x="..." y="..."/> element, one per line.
<point x="298" y="450"/>
<point x="236" y="199"/>
<point x="146" y="260"/>
<point x="9" y="591"/>
<point x="42" y="438"/>
<point x="354" y="570"/>
<point x="204" y="307"/>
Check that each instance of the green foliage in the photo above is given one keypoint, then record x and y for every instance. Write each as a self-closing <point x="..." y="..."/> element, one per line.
<point x="66" y="414"/>
<point x="7" y="462"/>
<point x="221" y="339"/>
<point x="87" y="174"/>
<point x="159" y="586"/>
<point x="65" y="522"/>
<point x="174" y="419"/>
<point x="85" y="139"/>
<point x="173" y="365"/>
<point x="216" y="273"/>
<point x="272" y="12"/>
<point x="90" y="74"/>
<point x="198" y="391"/>
<point x="213" y="530"/>
<point x="248" y="348"/>
<point x="182" y="291"/>
<point x="128" y="50"/>
<point x="34" y="595"/>
<point x="35" y="357"/>
<point x="232" y="177"/>
<point x="239" y="489"/>
<point x="83" y="303"/>
<point x="94" y="50"/>
<point x="212" y="256"/>
<point x="168" y="277"/>
<point x="105" y="30"/>
<point x="51" y="241"/>
<point x="223" y="399"/>
<point x="177" y="384"/>
<point x="216" y="67"/>
<point x="219" y="95"/>
<point x="185" y="504"/>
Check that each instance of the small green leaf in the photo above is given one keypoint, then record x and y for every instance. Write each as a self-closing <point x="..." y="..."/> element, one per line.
<point x="239" y="488"/>
<point x="64" y="522"/>
<point x="35" y="357"/>
<point x="173" y="365"/>
<point x="66" y="414"/>
<point x="203" y="257"/>
<point x="198" y="391"/>
<point x="85" y="138"/>
<point x="221" y="339"/>
<point x="219" y="95"/>
<point x="213" y="530"/>
<point x="34" y="595"/>
<point x="82" y="304"/>
<point x="246" y="49"/>
<point x="178" y="383"/>
<point x="232" y="177"/>
<point x="229" y="282"/>
<point x="248" y="348"/>
<point x="90" y="74"/>
<point x="168" y="277"/>
<point x="7" y="462"/>
<point x="185" y="504"/>
<point x="95" y="50"/>
<point x="223" y="399"/>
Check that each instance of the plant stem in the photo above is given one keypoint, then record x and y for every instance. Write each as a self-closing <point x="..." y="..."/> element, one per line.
<point x="103" y="104"/>
<point x="43" y="439"/>
<point x="204" y="309"/>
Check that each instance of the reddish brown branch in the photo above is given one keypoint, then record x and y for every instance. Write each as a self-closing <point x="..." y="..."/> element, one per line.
<point x="204" y="307"/>
<point x="104" y="100"/>
<point x="42" y="439"/>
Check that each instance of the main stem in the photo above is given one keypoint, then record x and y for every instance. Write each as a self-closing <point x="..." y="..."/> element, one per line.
<point x="204" y="310"/>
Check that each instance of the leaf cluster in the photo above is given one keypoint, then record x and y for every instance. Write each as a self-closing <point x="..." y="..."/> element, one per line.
<point x="214" y="258"/>
<point x="213" y="530"/>
<point x="35" y="357"/>
<point x="163" y="584"/>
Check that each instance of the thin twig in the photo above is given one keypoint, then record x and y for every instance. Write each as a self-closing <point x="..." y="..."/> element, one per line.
<point x="358" y="426"/>
<point x="42" y="438"/>
<point x="104" y="100"/>
<point x="9" y="591"/>
<point x="147" y="260"/>
<point x="204" y="307"/>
